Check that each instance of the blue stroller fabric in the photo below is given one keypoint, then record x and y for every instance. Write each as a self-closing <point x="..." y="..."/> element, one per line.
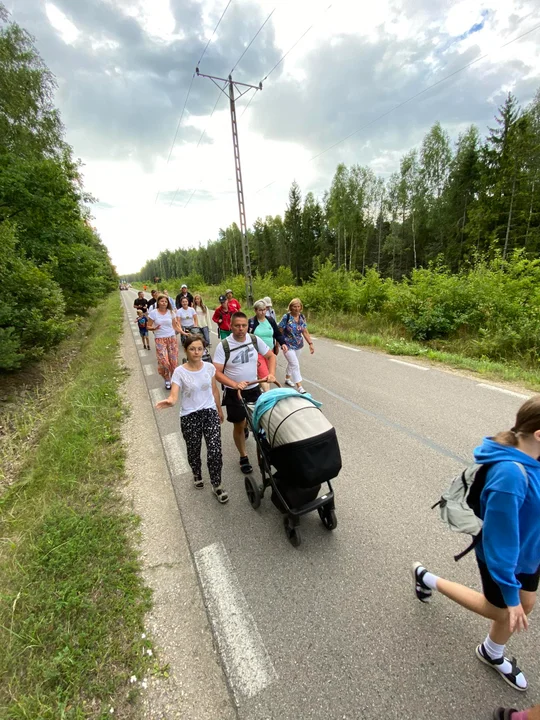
<point x="268" y="399"/>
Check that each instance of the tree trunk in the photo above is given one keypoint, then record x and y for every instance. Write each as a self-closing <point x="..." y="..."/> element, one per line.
<point x="380" y="239"/>
<point x="414" y="239"/>
<point x="509" y="218"/>
<point x="530" y="210"/>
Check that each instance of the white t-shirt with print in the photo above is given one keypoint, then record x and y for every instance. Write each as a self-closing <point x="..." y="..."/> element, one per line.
<point x="166" y="322"/>
<point x="196" y="388"/>
<point x="186" y="316"/>
<point x="242" y="363"/>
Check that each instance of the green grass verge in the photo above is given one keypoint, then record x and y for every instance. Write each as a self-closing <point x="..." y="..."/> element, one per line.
<point x="72" y="598"/>
<point x="388" y="340"/>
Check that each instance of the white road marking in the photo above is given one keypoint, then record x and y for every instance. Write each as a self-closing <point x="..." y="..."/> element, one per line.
<point x="175" y="450"/>
<point x="158" y="394"/>
<point x="503" y="390"/>
<point x="246" y="660"/>
<point x="142" y="352"/>
<point x="346" y="347"/>
<point x="313" y="337"/>
<point x="149" y="369"/>
<point x="402" y="362"/>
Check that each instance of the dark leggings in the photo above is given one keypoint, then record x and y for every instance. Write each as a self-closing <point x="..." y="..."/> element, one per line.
<point x="194" y="426"/>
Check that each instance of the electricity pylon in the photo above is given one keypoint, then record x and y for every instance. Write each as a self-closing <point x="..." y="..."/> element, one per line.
<point x="232" y="84"/>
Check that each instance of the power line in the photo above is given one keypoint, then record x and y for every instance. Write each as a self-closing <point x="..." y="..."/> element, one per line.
<point x="200" y="140"/>
<point x="285" y="55"/>
<point x="189" y="91"/>
<point x="252" y="41"/>
<point x="408" y="100"/>
<point x="215" y="29"/>
<point x="217" y="100"/>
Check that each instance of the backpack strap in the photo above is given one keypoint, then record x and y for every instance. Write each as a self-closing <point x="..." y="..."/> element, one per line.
<point x="475" y="541"/>
<point x="227" y="348"/>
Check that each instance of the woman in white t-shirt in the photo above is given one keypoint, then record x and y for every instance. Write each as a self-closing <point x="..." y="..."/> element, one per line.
<point x="187" y="317"/>
<point x="163" y="323"/>
<point x="203" y="316"/>
<point x="200" y="414"/>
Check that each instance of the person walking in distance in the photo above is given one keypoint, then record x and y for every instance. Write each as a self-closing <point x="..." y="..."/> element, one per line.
<point x="270" y="312"/>
<point x="222" y="317"/>
<point x="142" y="322"/>
<point x="294" y="327"/>
<point x="265" y="328"/>
<point x="508" y="552"/>
<point x="183" y="294"/>
<point x="152" y="302"/>
<point x="140" y="302"/>
<point x="235" y="361"/>
<point x="203" y="316"/>
<point x="187" y="317"/>
<point x="163" y="323"/>
<point x="200" y="414"/>
<point x="234" y="305"/>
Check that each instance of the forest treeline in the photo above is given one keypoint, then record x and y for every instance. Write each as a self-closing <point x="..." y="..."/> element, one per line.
<point x="449" y="202"/>
<point x="53" y="265"/>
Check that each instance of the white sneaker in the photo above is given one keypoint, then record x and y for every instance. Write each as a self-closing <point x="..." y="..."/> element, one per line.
<point x="301" y="390"/>
<point x="289" y="383"/>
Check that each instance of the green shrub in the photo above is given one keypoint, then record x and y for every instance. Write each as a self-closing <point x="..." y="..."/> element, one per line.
<point x="32" y="310"/>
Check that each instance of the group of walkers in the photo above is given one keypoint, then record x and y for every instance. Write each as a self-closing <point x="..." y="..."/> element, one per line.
<point x="244" y="360"/>
<point x="508" y="552"/>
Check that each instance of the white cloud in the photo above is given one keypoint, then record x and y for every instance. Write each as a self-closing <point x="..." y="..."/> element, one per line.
<point x="122" y="83"/>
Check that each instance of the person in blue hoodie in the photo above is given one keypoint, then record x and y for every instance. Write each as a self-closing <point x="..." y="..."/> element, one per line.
<point x="508" y="555"/>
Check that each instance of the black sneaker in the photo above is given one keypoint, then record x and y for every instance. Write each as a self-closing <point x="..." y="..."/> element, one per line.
<point x="510" y="677"/>
<point x="198" y="482"/>
<point x="421" y="590"/>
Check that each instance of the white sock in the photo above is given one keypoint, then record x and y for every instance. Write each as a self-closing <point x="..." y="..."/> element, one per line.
<point x="496" y="651"/>
<point x="493" y="649"/>
<point x="429" y="579"/>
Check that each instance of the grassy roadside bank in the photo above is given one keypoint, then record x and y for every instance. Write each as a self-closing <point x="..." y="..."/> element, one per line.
<point x="72" y="600"/>
<point x="349" y="329"/>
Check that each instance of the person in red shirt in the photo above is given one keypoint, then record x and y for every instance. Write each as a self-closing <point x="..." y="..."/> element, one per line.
<point x="234" y="305"/>
<point x="222" y="317"/>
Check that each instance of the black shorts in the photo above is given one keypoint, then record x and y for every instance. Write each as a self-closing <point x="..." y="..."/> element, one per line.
<point x="492" y="592"/>
<point x="235" y="409"/>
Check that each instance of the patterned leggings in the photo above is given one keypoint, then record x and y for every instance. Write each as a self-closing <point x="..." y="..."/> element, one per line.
<point x="194" y="426"/>
<point x="167" y="356"/>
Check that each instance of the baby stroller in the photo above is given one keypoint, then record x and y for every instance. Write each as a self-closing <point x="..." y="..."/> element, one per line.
<point x="199" y="333"/>
<point x="297" y="451"/>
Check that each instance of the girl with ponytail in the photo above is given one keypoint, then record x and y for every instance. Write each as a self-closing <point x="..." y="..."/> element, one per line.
<point x="508" y="554"/>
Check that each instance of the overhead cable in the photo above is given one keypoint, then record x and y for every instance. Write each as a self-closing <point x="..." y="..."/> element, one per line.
<point x="302" y="36"/>
<point x="252" y="41"/>
<point x="408" y="100"/>
<point x="189" y="91"/>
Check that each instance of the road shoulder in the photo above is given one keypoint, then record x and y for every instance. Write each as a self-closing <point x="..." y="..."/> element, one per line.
<point x="191" y="683"/>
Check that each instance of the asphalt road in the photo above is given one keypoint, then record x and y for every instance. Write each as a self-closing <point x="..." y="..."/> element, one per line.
<point x="331" y="629"/>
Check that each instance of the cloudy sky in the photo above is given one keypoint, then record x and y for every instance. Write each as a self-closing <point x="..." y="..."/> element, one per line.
<point x="124" y="67"/>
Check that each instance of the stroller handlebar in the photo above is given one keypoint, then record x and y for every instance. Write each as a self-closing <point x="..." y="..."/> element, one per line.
<point x="253" y="382"/>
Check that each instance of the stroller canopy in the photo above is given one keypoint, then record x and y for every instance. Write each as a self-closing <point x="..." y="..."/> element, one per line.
<point x="293" y="419"/>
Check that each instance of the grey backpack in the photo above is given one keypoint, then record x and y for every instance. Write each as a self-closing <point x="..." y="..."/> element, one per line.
<point x="460" y="504"/>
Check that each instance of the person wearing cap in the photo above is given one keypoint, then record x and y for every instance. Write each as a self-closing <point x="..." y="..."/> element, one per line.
<point x="270" y="312"/>
<point x="183" y="294"/>
<point x="222" y="317"/>
<point x="234" y="305"/>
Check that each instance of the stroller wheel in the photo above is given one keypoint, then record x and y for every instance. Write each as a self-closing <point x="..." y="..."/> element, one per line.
<point x="328" y="517"/>
<point x="292" y="532"/>
<point x="252" y="491"/>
